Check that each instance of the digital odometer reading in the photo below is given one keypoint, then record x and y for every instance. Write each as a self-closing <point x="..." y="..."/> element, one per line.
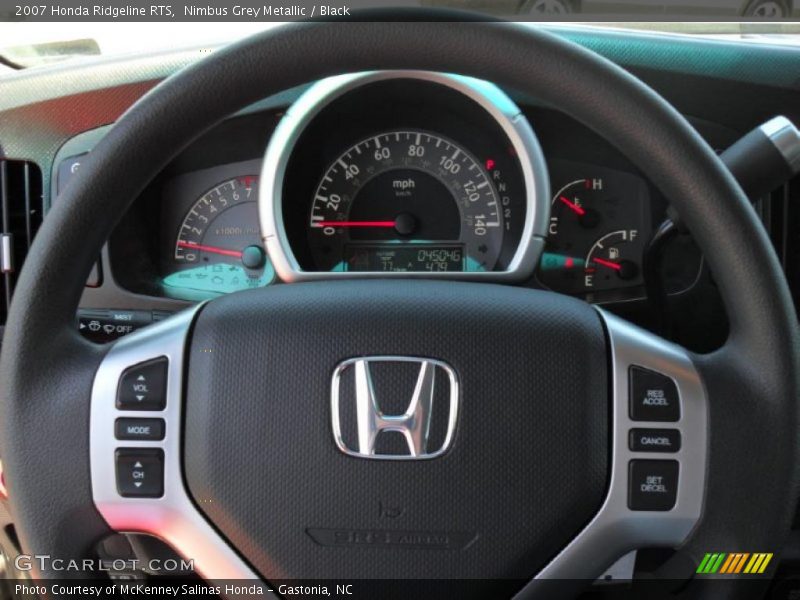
<point x="406" y="201"/>
<point x="411" y="258"/>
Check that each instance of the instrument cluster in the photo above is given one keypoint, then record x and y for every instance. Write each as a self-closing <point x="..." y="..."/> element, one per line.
<point x="408" y="174"/>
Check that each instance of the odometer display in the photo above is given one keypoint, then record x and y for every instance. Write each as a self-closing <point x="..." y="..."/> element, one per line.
<point x="407" y="200"/>
<point x="409" y="258"/>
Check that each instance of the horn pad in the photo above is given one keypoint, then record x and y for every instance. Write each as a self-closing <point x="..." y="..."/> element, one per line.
<point x="525" y="470"/>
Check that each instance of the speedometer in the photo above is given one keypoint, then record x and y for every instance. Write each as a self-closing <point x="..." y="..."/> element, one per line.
<point x="404" y="174"/>
<point x="406" y="200"/>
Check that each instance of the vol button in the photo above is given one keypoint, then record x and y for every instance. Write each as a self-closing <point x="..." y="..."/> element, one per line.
<point x="144" y="386"/>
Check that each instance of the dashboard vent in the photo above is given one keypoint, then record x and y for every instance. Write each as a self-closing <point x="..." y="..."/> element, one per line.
<point x="784" y="201"/>
<point x="21" y="212"/>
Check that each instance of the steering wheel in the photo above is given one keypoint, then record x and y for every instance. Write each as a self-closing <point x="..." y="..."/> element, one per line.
<point x="539" y="482"/>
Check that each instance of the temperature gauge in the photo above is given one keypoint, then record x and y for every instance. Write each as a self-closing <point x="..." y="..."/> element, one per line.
<point x="595" y="239"/>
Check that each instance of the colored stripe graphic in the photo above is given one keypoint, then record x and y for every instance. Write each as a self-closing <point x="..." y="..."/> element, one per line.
<point x="711" y="562"/>
<point x="732" y="558"/>
<point x="734" y="563"/>
<point x="703" y="563"/>
<point x="741" y="562"/>
<point x="758" y="564"/>
<point x="717" y="563"/>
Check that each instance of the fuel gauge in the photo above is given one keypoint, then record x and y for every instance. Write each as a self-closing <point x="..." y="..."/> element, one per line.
<point x="598" y="226"/>
<point x="612" y="259"/>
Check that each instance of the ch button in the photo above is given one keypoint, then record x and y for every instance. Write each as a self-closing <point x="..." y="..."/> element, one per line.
<point x="140" y="472"/>
<point x="144" y="386"/>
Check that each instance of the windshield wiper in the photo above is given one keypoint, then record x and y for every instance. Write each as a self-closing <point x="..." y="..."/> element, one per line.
<point x="10" y="63"/>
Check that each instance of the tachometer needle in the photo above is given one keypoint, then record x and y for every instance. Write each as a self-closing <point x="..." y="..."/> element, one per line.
<point x="211" y="249"/>
<point x="607" y="263"/>
<point x="572" y="206"/>
<point x="355" y="223"/>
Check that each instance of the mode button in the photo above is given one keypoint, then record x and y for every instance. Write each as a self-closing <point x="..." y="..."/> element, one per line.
<point x="146" y="430"/>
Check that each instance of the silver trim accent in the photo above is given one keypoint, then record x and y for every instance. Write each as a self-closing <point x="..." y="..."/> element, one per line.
<point x="507" y="114"/>
<point x="612" y="533"/>
<point x="413" y="424"/>
<point x="6" y="253"/>
<point x="786" y="138"/>
<point x="173" y="517"/>
<point x="616" y="530"/>
<point x="620" y="571"/>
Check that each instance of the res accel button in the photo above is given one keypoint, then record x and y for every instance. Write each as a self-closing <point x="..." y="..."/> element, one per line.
<point x="144" y="386"/>
<point x="652" y="484"/>
<point x="653" y="396"/>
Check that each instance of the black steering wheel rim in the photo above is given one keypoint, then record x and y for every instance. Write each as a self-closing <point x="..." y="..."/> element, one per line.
<point x="752" y="382"/>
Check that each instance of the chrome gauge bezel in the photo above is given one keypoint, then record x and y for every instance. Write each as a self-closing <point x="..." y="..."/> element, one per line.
<point x="497" y="104"/>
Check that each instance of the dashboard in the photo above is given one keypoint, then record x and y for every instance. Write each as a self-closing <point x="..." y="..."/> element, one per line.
<point x="378" y="176"/>
<point x="396" y="174"/>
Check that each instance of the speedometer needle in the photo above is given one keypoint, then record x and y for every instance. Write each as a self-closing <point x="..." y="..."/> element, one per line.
<point x="572" y="206"/>
<point x="211" y="249"/>
<point x="355" y="223"/>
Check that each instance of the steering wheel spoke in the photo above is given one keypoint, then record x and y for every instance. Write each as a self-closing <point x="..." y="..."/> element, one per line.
<point x="658" y="446"/>
<point x="136" y="455"/>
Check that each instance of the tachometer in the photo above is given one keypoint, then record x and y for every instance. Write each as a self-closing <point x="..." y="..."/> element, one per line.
<point x="218" y="246"/>
<point x="406" y="200"/>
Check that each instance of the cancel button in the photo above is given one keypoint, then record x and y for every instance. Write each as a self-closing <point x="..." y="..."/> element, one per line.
<point x="654" y="440"/>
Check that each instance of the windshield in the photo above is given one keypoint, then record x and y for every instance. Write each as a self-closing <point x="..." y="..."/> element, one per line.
<point x="30" y="44"/>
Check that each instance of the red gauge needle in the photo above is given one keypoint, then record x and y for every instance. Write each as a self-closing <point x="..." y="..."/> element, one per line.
<point x="607" y="263"/>
<point x="355" y="223"/>
<point x="572" y="206"/>
<point x="211" y="249"/>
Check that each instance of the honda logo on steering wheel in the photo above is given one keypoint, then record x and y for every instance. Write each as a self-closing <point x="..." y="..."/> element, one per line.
<point x="429" y="392"/>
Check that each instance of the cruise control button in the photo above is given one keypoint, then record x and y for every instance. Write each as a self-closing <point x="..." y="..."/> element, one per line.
<point x="652" y="484"/>
<point x="140" y="472"/>
<point x="139" y="429"/>
<point x="144" y="386"/>
<point x="653" y="396"/>
<point x="654" y="440"/>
